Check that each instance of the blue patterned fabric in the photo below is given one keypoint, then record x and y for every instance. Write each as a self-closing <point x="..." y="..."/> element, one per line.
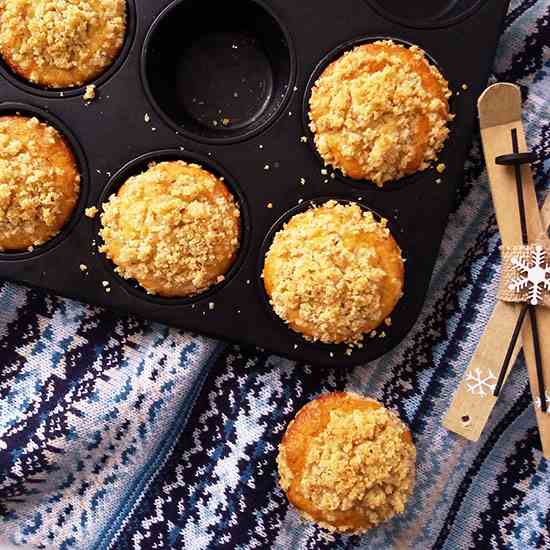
<point x="118" y="433"/>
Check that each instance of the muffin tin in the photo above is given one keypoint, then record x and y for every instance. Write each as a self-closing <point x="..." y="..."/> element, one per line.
<point x="227" y="86"/>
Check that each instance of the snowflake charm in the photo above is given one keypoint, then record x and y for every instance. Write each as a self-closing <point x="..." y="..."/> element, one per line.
<point x="535" y="276"/>
<point x="479" y="385"/>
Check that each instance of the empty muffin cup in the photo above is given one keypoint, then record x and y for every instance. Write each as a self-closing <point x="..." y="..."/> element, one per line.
<point x="218" y="73"/>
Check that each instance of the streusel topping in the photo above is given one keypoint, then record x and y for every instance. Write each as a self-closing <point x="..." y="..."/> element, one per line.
<point x="380" y="112"/>
<point x="174" y="228"/>
<point x="39" y="182"/>
<point x="358" y="466"/>
<point x="360" y="459"/>
<point x="334" y="273"/>
<point x="61" y="43"/>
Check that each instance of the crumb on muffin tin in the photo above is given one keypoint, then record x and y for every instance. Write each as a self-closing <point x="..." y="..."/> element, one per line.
<point x="90" y="93"/>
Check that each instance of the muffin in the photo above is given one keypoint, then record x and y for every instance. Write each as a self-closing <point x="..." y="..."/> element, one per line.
<point x="380" y="112"/>
<point x="61" y="43"/>
<point x="347" y="463"/>
<point x="39" y="183"/>
<point x="334" y="273"/>
<point x="175" y="229"/>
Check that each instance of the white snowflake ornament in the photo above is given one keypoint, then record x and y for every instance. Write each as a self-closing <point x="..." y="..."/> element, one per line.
<point x="480" y="384"/>
<point x="534" y="276"/>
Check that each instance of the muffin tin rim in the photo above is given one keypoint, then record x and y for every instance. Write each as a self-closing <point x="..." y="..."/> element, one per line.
<point x="16" y="108"/>
<point x="132" y="168"/>
<point x="418" y="25"/>
<point x="62" y="93"/>
<point x="328" y="58"/>
<point x="241" y="137"/>
<point x="395" y="231"/>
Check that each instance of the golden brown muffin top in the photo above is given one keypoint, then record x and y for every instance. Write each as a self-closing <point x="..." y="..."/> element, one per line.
<point x="174" y="228"/>
<point x="39" y="182"/>
<point x="380" y="112"/>
<point x="347" y="463"/>
<point x="334" y="273"/>
<point x="61" y="43"/>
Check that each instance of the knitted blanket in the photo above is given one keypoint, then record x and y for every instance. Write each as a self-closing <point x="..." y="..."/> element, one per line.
<point x="119" y="433"/>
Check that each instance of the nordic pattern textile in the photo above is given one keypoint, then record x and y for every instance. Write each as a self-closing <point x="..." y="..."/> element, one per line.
<point x="118" y="433"/>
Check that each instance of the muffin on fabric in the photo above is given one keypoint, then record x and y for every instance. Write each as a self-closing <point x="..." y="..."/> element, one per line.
<point x="39" y="183"/>
<point x="380" y="112"/>
<point x="61" y="43"/>
<point x="334" y="273"/>
<point x="175" y="229"/>
<point x="347" y="463"/>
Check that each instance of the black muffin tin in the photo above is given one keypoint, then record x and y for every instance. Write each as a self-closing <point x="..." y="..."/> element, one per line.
<point x="226" y="84"/>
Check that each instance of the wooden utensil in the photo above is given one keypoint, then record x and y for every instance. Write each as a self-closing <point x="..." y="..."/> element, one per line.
<point x="500" y="112"/>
